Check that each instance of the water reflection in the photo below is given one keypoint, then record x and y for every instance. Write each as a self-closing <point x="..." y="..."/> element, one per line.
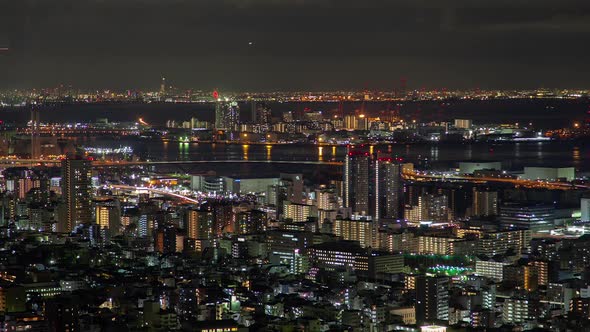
<point x="183" y="151"/>
<point x="576" y="155"/>
<point x="245" y="148"/>
<point x="540" y="152"/>
<point x="434" y="152"/>
<point x="268" y="152"/>
<point x="320" y="153"/>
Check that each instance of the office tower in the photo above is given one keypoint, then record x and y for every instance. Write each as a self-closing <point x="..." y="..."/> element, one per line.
<point x="388" y="187"/>
<point x="536" y="217"/>
<point x="485" y="203"/>
<point x="285" y="248"/>
<point x="108" y="215"/>
<point x="348" y="255"/>
<point x="356" y="181"/>
<point x="200" y="224"/>
<point x="227" y="115"/>
<point x="432" y="299"/>
<point x="76" y="192"/>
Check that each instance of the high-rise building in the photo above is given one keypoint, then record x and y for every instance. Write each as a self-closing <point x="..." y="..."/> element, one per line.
<point x="389" y="187"/>
<point x="293" y="184"/>
<point x="350" y="122"/>
<point x="430" y="208"/>
<point x="585" y="209"/>
<point x="432" y="299"/>
<point x="200" y="224"/>
<point x="517" y="310"/>
<point x="108" y="215"/>
<point x="498" y="243"/>
<point x="298" y="212"/>
<point x="166" y="240"/>
<point x="261" y="114"/>
<point x="163" y="86"/>
<point x="363" y="231"/>
<point x="356" y="181"/>
<point x="227" y="115"/>
<point x="348" y="255"/>
<point x="485" y="203"/>
<point x="250" y="222"/>
<point x="76" y="192"/>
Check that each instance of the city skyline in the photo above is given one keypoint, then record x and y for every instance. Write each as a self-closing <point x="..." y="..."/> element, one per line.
<point x="294" y="166"/>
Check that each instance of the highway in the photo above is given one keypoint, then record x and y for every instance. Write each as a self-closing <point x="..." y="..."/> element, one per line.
<point x="418" y="176"/>
<point x="4" y="163"/>
<point x="414" y="176"/>
<point x="155" y="191"/>
<point x="189" y="162"/>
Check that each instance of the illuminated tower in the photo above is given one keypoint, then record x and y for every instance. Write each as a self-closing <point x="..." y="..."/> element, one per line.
<point x="253" y="111"/>
<point x="163" y="86"/>
<point x="356" y="181"/>
<point x="432" y="299"/>
<point x="200" y="224"/>
<point x="227" y="115"/>
<point x="389" y="187"/>
<point x="263" y="113"/>
<point x="108" y="216"/>
<point x="76" y="192"/>
<point x="35" y="144"/>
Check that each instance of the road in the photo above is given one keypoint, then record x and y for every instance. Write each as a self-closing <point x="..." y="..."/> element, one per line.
<point x="416" y="176"/>
<point x="155" y="191"/>
<point x="4" y="163"/>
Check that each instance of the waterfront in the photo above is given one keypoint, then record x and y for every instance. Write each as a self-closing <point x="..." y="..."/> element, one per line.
<point x="514" y="156"/>
<point x="542" y="113"/>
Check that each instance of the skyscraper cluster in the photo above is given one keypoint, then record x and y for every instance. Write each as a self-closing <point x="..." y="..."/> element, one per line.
<point x="373" y="184"/>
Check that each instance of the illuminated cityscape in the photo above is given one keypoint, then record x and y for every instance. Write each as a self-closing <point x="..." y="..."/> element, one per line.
<point x="292" y="166"/>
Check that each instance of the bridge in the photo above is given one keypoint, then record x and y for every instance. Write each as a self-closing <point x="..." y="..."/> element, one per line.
<point x="8" y="162"/>
<point x="421" y="176"/>
<point x="155" y="191"/>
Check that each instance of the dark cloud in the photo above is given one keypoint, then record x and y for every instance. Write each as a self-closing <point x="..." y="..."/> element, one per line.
<point x="295" y="43"/>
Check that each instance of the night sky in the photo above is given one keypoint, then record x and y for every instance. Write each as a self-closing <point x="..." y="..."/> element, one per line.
<point x="295" y="44"/>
